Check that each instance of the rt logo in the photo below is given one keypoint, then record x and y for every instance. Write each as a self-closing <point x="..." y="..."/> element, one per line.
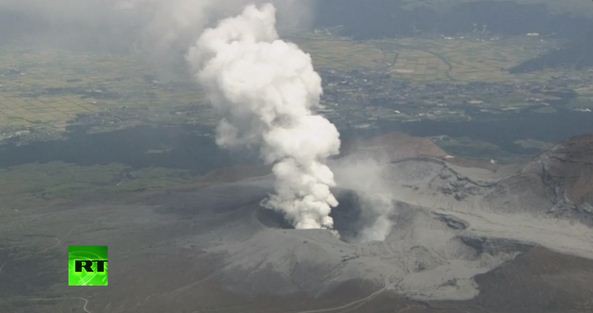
<point x="87" y="266"/>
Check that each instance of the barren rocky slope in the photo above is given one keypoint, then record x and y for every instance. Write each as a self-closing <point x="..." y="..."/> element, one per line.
<point x="460" y="238"/>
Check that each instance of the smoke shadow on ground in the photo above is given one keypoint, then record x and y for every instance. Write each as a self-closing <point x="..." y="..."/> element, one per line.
<point x="348" y="216"/>
<point x="272" y="219"/>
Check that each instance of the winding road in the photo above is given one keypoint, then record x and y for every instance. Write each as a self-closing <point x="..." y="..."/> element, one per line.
<point x="348" y="305"/>
<point x="85" y="301"/>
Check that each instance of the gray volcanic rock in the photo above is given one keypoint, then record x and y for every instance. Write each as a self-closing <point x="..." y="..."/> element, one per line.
<point x="568" y="171"/>
<point x="455" y="231"/>
<point x="395" y="146"/>
<point x="447" y="224"/>
<point x="558" y="182"/>
<point x="423" y="257"/>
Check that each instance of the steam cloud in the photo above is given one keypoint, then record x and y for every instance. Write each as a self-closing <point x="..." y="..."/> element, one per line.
<point x="365" y="175"/>
<point x="267" y="91"/>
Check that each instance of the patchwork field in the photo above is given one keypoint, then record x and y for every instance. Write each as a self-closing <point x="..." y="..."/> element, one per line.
<point x="428" y="59"/>
<point x="342" y="54"/>
<point x="461" y="59"/>
<point x="42" y="92"/>
<point x="45" y="90"/>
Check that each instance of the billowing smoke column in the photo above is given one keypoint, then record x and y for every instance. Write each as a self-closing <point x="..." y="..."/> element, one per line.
<point x="267" y="90"/>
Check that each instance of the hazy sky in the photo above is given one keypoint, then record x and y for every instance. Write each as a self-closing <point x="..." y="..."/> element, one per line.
<point x="156" y="27"/>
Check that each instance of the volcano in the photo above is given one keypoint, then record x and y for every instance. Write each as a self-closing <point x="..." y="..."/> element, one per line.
<point x="461" y="237"/>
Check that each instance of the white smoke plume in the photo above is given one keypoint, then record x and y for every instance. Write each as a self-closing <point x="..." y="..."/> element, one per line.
<point x="267" y="91"/>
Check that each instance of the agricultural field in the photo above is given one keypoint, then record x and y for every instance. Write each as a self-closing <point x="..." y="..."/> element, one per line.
<point x="342" y="54"/>
<point x="44" y="91"/>
<point x="463" y="59"/>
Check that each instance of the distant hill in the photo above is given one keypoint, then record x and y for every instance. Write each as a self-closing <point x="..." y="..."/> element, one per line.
<point x="568" y="171"/>
<point x="388" y="18"/>
<point x="559" y="182"/>
<point x="572" y="7"/>
<point x="577" y="55"/>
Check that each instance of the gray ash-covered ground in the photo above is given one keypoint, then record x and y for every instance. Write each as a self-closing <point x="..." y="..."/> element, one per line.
<point x="213" y="248"/>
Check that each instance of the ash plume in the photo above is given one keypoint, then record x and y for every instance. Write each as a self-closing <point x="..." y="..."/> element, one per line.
<point x="267" y="90"/>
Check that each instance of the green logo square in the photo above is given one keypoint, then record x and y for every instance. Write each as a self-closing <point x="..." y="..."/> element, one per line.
<point x="87" y="266"/>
